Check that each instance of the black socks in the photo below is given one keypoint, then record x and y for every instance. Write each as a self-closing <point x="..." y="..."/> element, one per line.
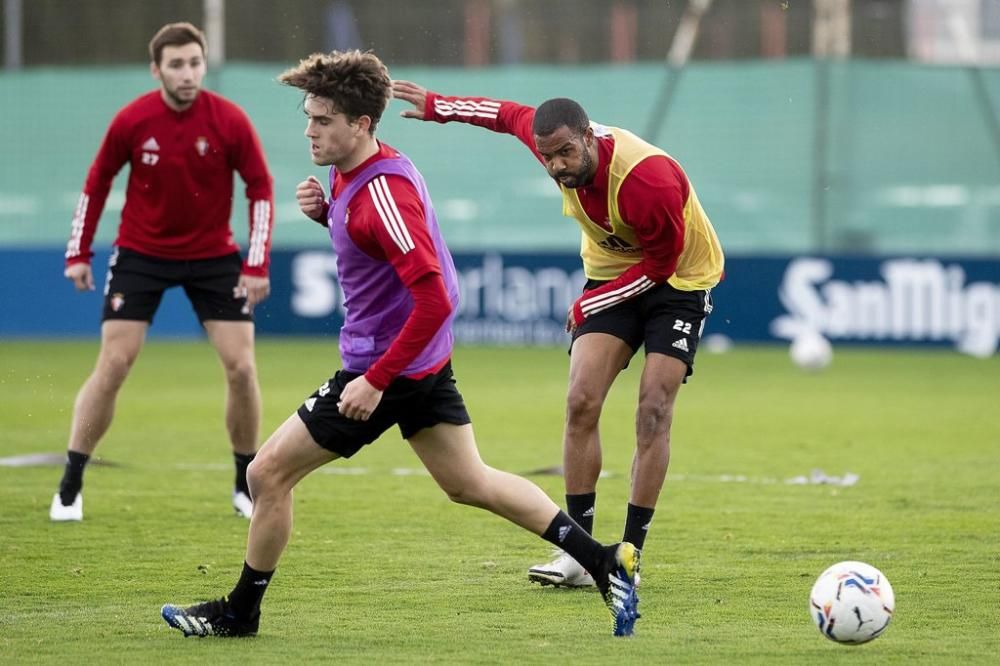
<point x="243" y="461"/>
<point x="581" y="509"/>
<point x="637" y="524"/>
<point x="565" y="533"/>
<point x="637" y="518"/>
<point x="245" y="597"/>
<point x="72" y="480"/>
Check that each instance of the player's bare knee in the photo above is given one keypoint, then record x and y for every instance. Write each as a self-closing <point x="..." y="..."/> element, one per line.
<point x="583" y="409"/>
<point x="241" y="372"/>
<point x="652" y="420"/>
<point x="467" y="492"/>
<point x="456" y="494"/>
<point x="113" y="367"/>
<point x="254" y="473"/>
<point x="262" y="477"/>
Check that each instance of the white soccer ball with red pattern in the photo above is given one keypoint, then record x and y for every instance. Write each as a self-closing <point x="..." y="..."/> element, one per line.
<point x="852" y="603"/>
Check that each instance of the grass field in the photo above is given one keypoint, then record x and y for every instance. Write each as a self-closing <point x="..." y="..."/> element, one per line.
<point x="383" y="569"/>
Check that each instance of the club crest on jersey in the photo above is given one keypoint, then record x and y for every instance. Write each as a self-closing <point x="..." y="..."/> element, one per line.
<point x="201" y="145"/>
<point x="117" y="301"/>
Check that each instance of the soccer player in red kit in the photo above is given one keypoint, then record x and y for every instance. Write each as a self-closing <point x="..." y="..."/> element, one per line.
<point x="650" y="256"/>
<point x="400" y="296"/>
<point x="182" y="145"/>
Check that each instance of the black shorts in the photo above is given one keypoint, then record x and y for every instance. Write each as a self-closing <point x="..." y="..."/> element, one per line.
<point x="413" y="404"/>
<point x="667" y="320"/>
<point x="136" y="282"/>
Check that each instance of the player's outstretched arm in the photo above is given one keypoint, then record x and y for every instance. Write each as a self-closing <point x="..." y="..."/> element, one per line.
<point x="493" y="114"/>
<point x="415" y="95"/>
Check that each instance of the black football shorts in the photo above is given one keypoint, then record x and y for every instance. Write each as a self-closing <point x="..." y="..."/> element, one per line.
<point x="412" y="404"/>
<point x="667" y="320"/>
<point x="135" y="284"/>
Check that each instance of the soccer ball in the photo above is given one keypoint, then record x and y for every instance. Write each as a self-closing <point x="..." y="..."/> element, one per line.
<point x="811" y="351"/>
<point x="852" y="603"/>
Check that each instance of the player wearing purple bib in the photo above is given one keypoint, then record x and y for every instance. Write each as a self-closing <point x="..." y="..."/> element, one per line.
<point x="401" y="293"/>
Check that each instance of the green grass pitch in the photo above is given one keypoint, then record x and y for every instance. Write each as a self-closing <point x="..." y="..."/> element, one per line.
<point x="383" y="569"/>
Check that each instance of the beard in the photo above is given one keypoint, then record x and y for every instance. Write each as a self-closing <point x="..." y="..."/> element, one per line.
<point x="177" y="98"/>
<point x="578" y="178"/>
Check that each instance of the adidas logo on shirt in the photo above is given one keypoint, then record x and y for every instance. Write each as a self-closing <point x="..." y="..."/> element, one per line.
<point x="681" y="344"/>
<point x="151" y="144"/>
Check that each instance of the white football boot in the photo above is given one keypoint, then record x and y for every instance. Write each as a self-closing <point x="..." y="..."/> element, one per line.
<point x="242" y="504"/>
<point x="563" y="571"/>
<point x="61" y="513"/>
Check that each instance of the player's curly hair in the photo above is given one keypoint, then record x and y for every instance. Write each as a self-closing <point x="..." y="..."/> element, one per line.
<point x="357" y="83"/>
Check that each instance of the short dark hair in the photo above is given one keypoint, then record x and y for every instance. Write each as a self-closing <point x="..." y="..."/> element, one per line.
<point x="357" y="83"/>
<point x="555" y="113"/>
<point x="175" y="34"/>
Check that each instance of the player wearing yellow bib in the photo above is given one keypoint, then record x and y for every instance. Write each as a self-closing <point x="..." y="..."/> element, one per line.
<point x="651" y="257"/>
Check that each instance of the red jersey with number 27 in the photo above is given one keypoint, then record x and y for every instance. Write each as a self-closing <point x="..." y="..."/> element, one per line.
<point x="180" y="187"/>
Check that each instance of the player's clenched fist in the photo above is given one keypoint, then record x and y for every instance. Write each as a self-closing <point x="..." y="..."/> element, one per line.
<point x="311" y="198"/>
<point x="81" y="276"/>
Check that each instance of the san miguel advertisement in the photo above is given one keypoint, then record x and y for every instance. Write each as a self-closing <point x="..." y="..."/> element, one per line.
<point x="897" y="300"/>
<point x="522" y="299"/>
